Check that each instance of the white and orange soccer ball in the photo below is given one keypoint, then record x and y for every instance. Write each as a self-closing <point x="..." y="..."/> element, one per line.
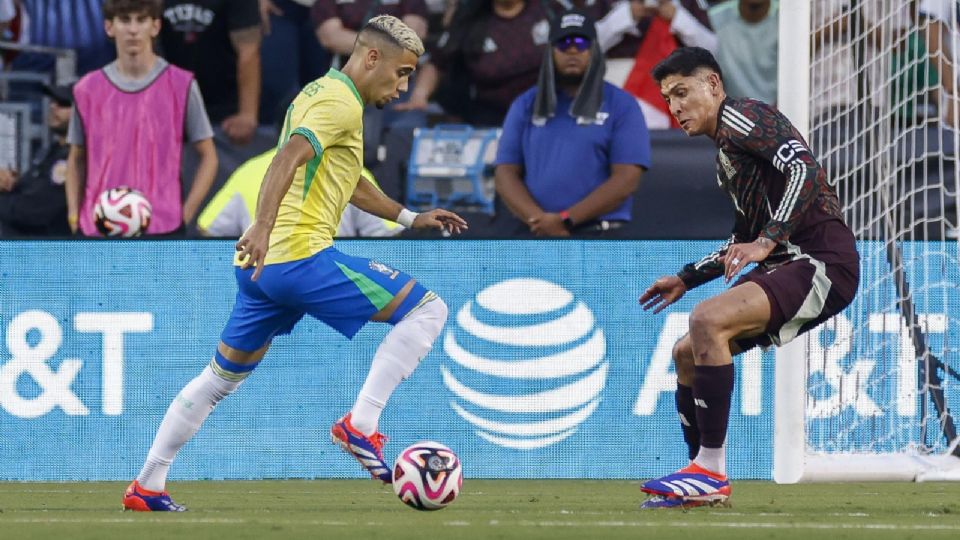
<point x="427" y="476"/>
<point x="122" y="211"/>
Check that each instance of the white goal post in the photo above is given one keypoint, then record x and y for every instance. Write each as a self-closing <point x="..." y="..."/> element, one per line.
<point x="869" y="396"/>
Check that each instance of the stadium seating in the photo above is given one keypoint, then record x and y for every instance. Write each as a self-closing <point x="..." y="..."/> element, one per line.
<point x="449" y="167"/>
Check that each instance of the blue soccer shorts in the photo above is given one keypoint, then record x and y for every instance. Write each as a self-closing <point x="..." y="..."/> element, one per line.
<point x="340" y="290"/>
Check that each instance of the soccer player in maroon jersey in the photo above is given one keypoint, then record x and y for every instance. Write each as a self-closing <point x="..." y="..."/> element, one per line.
<point x="788" y="221"/>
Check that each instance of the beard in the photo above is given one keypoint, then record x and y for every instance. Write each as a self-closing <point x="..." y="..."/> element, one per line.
<point x="568" y="80"/>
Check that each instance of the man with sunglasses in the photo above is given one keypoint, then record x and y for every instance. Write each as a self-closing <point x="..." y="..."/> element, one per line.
<point x="573" y="148"/>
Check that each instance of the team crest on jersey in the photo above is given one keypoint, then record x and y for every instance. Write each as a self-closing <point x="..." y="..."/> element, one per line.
<point x="726" y="164"/>
<point x="384" y="269"/>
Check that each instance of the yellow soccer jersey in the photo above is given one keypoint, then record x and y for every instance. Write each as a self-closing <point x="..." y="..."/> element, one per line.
<point x="329" y="113"/>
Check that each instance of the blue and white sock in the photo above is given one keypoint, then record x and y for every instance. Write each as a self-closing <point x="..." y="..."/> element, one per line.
<point x="186" y="414"/>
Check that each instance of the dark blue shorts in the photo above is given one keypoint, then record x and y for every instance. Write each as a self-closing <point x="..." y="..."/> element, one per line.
<point x="340" y="290"/>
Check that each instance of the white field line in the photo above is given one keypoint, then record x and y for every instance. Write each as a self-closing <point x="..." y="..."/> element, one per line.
<point x="176" y="520"/>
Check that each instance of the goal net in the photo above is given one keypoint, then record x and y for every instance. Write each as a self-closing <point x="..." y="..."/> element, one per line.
<point x="871" y="394"/>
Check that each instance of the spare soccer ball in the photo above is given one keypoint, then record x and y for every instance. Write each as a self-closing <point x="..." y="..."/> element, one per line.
<point x="122" y="211"/>
<point x="427" y="476"/>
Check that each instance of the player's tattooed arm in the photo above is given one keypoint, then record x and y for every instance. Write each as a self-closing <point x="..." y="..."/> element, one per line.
<point x="766" y="243"/>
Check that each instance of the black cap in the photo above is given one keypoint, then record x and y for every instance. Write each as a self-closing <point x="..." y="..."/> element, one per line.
<point x="61" y="93"/>
<point x="573" y="23"/>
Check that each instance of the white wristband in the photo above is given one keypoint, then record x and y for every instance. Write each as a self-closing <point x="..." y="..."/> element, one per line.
<point x="406" y="218"/>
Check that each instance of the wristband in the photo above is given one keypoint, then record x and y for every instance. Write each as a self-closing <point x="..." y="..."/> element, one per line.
<point x="406" y="218"/>
<point x="567" y="222"/>
<point x="72" y="220"/>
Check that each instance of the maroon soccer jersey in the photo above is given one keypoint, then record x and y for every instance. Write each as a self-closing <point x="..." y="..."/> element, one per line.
<point x="502" y="58"/>
<point x="778" y="189"/>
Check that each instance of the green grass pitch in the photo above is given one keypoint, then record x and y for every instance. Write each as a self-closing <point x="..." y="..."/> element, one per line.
<point x="549" y="509"/>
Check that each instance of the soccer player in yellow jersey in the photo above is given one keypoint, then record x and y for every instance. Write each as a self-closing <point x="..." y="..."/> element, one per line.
<point x="287" y="266"/>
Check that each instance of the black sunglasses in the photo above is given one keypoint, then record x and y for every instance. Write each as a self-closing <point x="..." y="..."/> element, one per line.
<point x="579" y="42"/>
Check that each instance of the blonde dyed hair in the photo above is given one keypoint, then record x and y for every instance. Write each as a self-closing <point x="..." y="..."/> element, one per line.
<point x="396" y="31"/>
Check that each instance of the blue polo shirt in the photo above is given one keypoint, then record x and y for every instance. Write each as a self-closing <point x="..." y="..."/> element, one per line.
<point x="564" y="162"/>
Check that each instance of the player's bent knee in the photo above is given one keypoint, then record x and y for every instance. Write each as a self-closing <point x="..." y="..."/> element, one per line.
<point x="229" y="374"/>
<point x="440" y="310"/>
<point x="704" y="320"/>
<point x="242" y="357"/>
<point x="432" y="316"/>
<point x="413" y="337"/>
<point x="682" y="350"/>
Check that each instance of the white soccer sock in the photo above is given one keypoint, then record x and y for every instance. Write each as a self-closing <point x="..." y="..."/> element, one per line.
<point x="713" y="459"/>
<point x="184" y="417"/>
<point x="396" y="358"/>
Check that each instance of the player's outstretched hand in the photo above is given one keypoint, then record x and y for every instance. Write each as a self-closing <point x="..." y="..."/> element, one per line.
<point x="439" y="218"/>
<point x="253" y="248"/>
<point x="662" y="293"/>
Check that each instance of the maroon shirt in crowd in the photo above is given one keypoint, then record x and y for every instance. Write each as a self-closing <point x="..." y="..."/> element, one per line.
<point x="355" y="13"/>
<point x="502" y="58"/>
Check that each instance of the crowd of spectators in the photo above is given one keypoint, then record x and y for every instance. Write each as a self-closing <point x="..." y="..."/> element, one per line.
<point x="239" y="62"/>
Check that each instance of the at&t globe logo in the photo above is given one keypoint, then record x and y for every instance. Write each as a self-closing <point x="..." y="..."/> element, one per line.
<point x="525" y="363"/>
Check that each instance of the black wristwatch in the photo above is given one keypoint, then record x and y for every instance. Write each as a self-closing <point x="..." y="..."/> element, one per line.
<point x="567" y="222"/>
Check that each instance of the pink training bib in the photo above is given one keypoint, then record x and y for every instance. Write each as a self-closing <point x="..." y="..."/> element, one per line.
<point x="134" y="139"/>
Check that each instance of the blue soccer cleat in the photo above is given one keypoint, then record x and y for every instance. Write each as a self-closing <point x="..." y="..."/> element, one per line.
<point x="138" y="499"/>
<point x="692" y="483"/>
<point x="368" y="450"/>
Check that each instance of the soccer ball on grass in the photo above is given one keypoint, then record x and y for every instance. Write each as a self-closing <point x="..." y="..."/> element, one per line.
<point x="427" y="476"/>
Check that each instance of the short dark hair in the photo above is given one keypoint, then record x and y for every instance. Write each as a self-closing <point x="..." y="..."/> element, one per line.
<point x="116" y="8"/>
<point x="684" y="61"/>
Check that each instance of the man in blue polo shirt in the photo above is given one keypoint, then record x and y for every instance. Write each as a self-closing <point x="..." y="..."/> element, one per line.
<point x="573" y="147"/>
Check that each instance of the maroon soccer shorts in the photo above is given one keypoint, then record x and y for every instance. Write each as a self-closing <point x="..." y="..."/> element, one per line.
<point x="803" y="293"/>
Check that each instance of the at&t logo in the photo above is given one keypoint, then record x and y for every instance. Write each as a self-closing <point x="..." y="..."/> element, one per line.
<point x="538" y="356"/>
<point x="33" y="339"/>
